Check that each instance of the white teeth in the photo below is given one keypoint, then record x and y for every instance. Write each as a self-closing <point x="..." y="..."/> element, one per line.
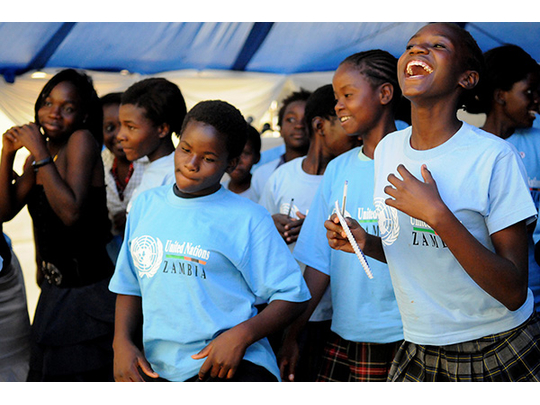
<point x="343" y="119"/>
<point x="423" y="65"/>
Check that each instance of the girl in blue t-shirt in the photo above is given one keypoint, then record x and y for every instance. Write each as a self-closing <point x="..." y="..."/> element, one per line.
<point x="366" y="325"/>
<point x="195" y="260"/>
<point x="509" y="95"/>
<point x="444" y="275"/>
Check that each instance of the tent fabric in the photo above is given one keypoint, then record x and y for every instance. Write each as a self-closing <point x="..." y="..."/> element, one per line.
<point x="249" y="64"/>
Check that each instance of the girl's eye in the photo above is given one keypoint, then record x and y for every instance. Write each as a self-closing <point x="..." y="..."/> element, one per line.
<point x="209" y="160"/>
<point x="439" y="46"/>
<point x="291" y="120"/>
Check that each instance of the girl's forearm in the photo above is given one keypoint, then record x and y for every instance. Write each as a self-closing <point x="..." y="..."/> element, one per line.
<point x="276" y="316"/>
<point x="502" y="274"/>
<point x="128" y="318"/>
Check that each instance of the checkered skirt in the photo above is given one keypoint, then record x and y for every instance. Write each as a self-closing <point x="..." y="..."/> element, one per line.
<point x="508" y="356"/>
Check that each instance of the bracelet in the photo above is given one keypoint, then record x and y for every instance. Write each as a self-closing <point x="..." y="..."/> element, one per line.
<point x="40" y="163"/>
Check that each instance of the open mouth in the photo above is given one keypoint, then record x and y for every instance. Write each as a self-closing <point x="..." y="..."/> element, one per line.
<point x="344" y="119"/>
<point x="418" y="68"/>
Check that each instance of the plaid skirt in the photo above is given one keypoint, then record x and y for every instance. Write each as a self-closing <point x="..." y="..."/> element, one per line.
<point x="345" y="361"/>
<point x="513" y="355"/>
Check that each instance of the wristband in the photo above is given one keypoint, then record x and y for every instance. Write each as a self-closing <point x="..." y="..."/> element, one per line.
<point x="40" y="163"/>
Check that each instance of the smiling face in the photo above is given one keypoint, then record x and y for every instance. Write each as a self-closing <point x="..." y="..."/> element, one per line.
<point x="431" y="65"/>
<point x="111" y="127"/>
<point x="61" y="112"/>
<point x="356" y="100"/>
<point x="200" y="160"/>
<point x="521" y="102"/>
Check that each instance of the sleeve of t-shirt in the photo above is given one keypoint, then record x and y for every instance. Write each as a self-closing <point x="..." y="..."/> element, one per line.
<point x="269" y="267"/>
<point x="510" y="200"/>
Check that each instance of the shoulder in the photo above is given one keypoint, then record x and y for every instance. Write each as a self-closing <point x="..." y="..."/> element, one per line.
<point x="484" y="141"/>
<point x="392" y="140"/>
<point x="266" y="168"/>
<point x="82" y="141"/>
<point x="149" y="197"/>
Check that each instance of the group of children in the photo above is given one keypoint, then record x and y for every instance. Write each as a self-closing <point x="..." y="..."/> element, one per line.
<point x="201" y="273"/>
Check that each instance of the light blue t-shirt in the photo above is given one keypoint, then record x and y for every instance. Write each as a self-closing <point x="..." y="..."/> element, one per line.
<point x="527" y="143"/>
<point x="261" y="176"/>
<point x="479" y="179"/>
<point x="199" y="265"/>
<point x="364" y="310"/>
<point x="290" y="183"/>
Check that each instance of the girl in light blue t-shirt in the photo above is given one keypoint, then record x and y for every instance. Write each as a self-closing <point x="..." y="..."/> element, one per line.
<point x="195" y="260"/>
<point x="452" y="209"/>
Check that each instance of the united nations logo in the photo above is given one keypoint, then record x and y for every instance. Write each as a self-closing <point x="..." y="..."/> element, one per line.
<point x="388" y="221"/>
<point x="147" y="255"/>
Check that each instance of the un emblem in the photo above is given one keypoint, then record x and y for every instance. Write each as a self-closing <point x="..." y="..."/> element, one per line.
<point x="147" y="255"/>
<point x="388" y="221"/>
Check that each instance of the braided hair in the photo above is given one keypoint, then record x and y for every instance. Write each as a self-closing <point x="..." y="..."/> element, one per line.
<point x="378" y="67"/>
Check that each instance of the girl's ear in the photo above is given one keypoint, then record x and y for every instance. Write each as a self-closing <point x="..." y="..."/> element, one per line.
<point x="386" y="93"/>
<point x="317" y="125"/>
<point x="164" y="130"/>
<point x="499" y="96"/>
<point x="469" y="79"/>
<point x="232" y="165"/>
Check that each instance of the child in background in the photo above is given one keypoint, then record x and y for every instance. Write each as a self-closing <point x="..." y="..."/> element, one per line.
<point x="508" y="94"/>
<point x="151" y="111"/>
<point x="453" y="227"/>
<point x="63" y="185"/>
<point x="195" y="259"/>
<point x="294" y="134"/>
<point x="239" y="181"/>
<point x="366" y="324"/>
<point x="121" y="175"/>
<point x="288" y="194"/>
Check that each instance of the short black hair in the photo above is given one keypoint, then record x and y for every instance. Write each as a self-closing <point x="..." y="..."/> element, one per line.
<point x="321" y="103"/>
<point x="504" y="66"/>
<point x="254" y="137"/>
<point x="301" y="95"/>
<point x="111" y="98"/>
<point x="162" y="100"/>
<point x="90" y="103"/>
<point x="226" y="119"/>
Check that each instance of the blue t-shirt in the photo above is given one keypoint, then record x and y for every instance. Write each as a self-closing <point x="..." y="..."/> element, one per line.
<point x="290" y="183"/>
<point x="364" y="310"/>
<point x="527" y="143"/>
<point x="479" y="179"/>
<point x="199" y="265"/>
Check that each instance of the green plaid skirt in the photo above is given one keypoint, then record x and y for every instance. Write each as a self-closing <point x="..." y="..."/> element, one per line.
<point x="509" y="356"/>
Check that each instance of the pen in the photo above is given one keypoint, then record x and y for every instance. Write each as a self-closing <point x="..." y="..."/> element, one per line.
<point x="290" y="207"/>
<point x="344" y="198"/>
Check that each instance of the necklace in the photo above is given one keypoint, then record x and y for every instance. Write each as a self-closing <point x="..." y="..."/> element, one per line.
<point x="119" y="186"/>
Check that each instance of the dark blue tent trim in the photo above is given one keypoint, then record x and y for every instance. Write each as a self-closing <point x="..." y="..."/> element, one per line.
<point x="40" y="60"/>
<point x="256" y="37"/>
